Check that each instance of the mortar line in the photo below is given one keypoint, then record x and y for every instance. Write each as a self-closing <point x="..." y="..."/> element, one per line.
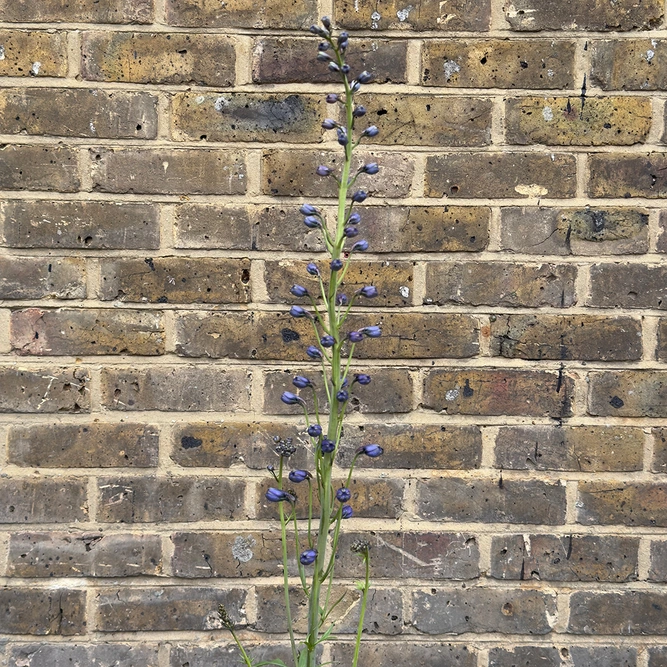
<point x="495" y="230"/>
<point x="244" y="61"/>
<point x="657" y="120"/>
<point x="5" y="331"/>
<point x="571" y="495"/>
<point x="165" y="129"/>
<point x="489" y="435"/>
<point x="498" y="123"/>
<point x="644" y="558"/>
<point x="649" y="450"/>
<point x="413" y="61"/>
<point x="650" y="338"/>
<point x="654" y="229"/>
<point x="73" y="55"/>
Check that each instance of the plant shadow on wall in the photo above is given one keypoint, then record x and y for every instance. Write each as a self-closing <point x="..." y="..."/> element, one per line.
<point x="312" y="506"/>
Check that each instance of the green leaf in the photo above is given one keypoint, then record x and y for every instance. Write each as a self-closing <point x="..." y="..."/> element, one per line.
<point x="280" y="663"/>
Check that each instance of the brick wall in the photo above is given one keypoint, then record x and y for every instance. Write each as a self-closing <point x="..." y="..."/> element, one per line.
<point x="154" y="154"/>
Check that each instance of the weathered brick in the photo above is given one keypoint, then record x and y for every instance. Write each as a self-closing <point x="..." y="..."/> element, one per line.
<point x="498" y="63"/>
<point x="380" y="654"/>
<point x="91" y="445"/>
<point x="661" y="351"/>
<point x="629" y="64"/>
<point x="80" y="224"/>
<point x="576" y="656"/>
<point x="525" y="656"/>
<point x="167" y="171"/>
<point x="371" y="499"/>
<point x="657" y="656"/>
<point x="628" y="613"/>
<point x="209" y="226"/>
<point x="429" y="120"/>
<point x="43" y="500"/>
<point x="530" y="15"/>
<point x="290" y="60"/>
<point x="52" y="390"/>
<point x="414" y="446"/>
<point x="290" y="173"/>
<point x="273" y="14"/>
<point x="573" y="121"/>
<point x="422" y="15"/>
<point x="69" y="655"/>
<point x="221" y="445"/>
<point x="627" y="175"/>
<point x="579" y="448"/>
<point x="565" y="558"/>
<point x="552" y="231"/>
<point x="490" y="501"/>
<point x="39" y="611"/>
<point x="622" y="503"/>
<point x="56" y="554"/>
<point x="399" y="555"/>
<point x="458" y="611"/>
<point x="87" y="11"/>
<point x="168" y="608"/>
<point x="661" y="245"/>
<point x="659" y="463"/>
<point x="71" y="332"/>
<point x="99" y="113"/>
<point x="239" y="116"/>
<point x="277" y="227"/>
<point x="384" y="613"/>
<point x="172" y="499"/>
<point x="35" y="167"/>
<point x="42" y="277"/>
<point x="176" y="280"/>
<point x="602" y="656"/>
<point x="628" y="393"/>
<point x="492" y="175"/>
<point x="498" y="392"/>
<point x="585" y="337"/>
<point x="426" y="228"/>
<point x="177" y="58"/>
<point x="628" y="286"/>
<point x="658" y="568"/>
<point x="177" y="388"/>
<point x="393" y="280"/>
<point x="500" y="284"/>
<point x="390" y="392"/>
<point x="183" y="655"/>
<point x="33" y="53"/>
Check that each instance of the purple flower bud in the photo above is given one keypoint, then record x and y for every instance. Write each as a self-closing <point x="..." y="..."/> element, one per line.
<point x="291" y="399"/>
<point x="362" y="378"/>
<point x="341" y="300"/>
<point x="301" y="382"/>
<point x="370" y="168"/>
<point x="326" y="22"/>
<point x="371" y="131"/>
<point x="372" y="332"/>
<point x="355" y="86"/>
<point x="329" y="124"/>
<point x="277" y="496"/>
<point x="345" y="383"/>
<point x="327" y="446"/>
<point x="312" y="222"/>
<point x="355" y="336"/>
<point x="323" y="46"/>
<point x="331" y="98"/>
<point x="342" y="137"/>
<point x="360" y="246"/>
<point x="371" y="450"/>
<point x="312" y="269"/>
<point x="323" y="57"/>
<point x="342" y="396"/>
<point x="314" y="430"/>
<point x="345" y="68"/>
<point x="327" y="341"/>
<point x="365" y="77"/>
<point x="351" y="232"/>
<point x="343" y="36"/>
<point x="354" y="219"/>
<point x="370" y="291"/>
<point x="343" y="495"/>
<point x="298" y="476"/>
<point x="270" y="468"/>
<point x="308" y="557"/>
<point x="308" y="209"/>
<point x="346" y="512"/>
<point x="315" y="30"/>
<point x="299" y="290"/>
<point x="313" y="352"/>
<point x="298" y="311"/>
<point x="323" y="170"/>
<point x="336" y="264"/>
<point x="333" y="67"/>
<point x="359" y="196"/>
<point x="359" y="111"/>
<point x="343" y="45"/>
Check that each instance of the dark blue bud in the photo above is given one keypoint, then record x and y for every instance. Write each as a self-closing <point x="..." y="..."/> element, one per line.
<point x="371" y="450"/>
<point x="359" y="196"/>
<point x="342" y="396"/>
<point x="299" y="290"/>
<point x="370" y="168"/>
<point x="343" y="495"/>
<point x="329" y="124"/>
<point x="270" y="468"/>
<point x="342" y="137"/>
<point x="360" y="246"/>
<point x="355" y="336"/>
<point x="308" y="557"/>
<point x="298" y="311"/>
<point x="312" y="269"/>
<point x="277" y="495"/>
<point x="323" y="57"/>
<point x="326" y="22"/>
<point x="365" y="77"/>
<point x="301" y="382"/>
<point x="343" y="36"/>
<point x="372" y="332"/>
<point x="345" y="68"/>
<point x="355" y="86"/>
<point x="336" y="264"/>
<point x="314" y="430"/>
<point x="343" y="45"/>
<point x="346" y="512"/>
<point x="362" y="378"/>
<point x="298" y="476"/>
<point x="327" y="446"/>
<point x="313" y="352"/>
<point x="308" y="209"/>
<point x="371" y="131"/>
<point x="315" y="30"/>
<point x="291" y="399"/>
<point x="345" y="383"/>
<point x="370" y="291"/>
<point x="333" y="67"/>
<point x="327" y="341"/>
<point x="323" y="170"/>
<point x="331" y="98"/>
<point x="351" y="232"/>
<point x="323" y="46"/>
<point x="354" y="219"/>
<point x="341" y="300"/>
<point x="359" y="111"/>
<point x="312" y="222"/>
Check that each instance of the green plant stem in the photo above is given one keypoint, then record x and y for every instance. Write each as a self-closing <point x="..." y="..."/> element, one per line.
<point x="362" y="613"/>
<point x="244" y="655"/>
